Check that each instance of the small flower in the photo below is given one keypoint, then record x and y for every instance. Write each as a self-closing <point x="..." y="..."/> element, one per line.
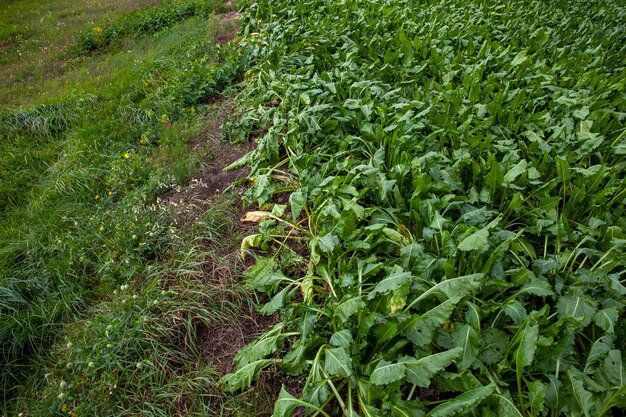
<point x="91" y="365"/>
<point x="126" y="155"/>
<point x="97" y="196"/>
<point x="101" y="228"/>
<point x="97" y="29"/>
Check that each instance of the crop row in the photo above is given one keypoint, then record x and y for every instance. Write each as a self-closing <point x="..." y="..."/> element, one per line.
<point x="454" y="238"/>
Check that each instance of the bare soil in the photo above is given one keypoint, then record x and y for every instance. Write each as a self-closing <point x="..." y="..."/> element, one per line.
<point x="229" y="27"/>
<point x="222" y="340"/>
<point x="193" y="199"/>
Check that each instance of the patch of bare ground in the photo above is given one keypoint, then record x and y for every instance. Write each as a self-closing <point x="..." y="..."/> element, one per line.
<point x="229" y="28"/>
<point x="222" y="341"/>
<point x="202" y="190"/>
<point x="13" y="41"/>
<point x="222" y="270"/>
<point x="190" y="201"/>
<point x="273" y="381"/>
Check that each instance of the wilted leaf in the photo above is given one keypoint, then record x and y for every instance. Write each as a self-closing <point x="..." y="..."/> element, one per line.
<point x="243" y="377"/>
<point x="260" y="348"/>
<point x="256" y="216"/>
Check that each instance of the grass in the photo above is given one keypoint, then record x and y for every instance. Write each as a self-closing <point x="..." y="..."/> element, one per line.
<point x="105" y="302"/>
<point x="141" y="22"/>
<point x="142" y="350"/>
<point x="35" y="38"/>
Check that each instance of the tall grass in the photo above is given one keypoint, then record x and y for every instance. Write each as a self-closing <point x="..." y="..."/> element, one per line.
<point x="79" y="218"/>
<point x="142" y="349"/>
<point x="143" y="21"/>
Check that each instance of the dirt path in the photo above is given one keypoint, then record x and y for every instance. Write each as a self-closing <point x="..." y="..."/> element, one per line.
<point x="224" y="270"/>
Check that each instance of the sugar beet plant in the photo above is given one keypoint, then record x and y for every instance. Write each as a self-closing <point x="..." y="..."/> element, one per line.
<point x="453" y="242"/>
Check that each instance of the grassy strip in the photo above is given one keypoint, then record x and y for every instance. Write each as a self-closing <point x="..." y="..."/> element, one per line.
<point x="83" y="219"/>
<point x="35" y="42"/>
<point x="143" y="349"/>
<point x="144" y="21"/>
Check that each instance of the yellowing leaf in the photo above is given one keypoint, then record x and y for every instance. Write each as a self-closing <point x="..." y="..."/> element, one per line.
<point x="256" y="216"/>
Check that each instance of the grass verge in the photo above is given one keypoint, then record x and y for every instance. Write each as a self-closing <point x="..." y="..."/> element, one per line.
<point x="110" y="295"/>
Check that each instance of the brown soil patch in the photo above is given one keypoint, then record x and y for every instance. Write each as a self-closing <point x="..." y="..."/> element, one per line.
<point x="190" y="201"/>
<point x="222" y="341"/>
<point x="13" y="41"/>
<point x="229" y="28"/>
<point x="273" y="381"/>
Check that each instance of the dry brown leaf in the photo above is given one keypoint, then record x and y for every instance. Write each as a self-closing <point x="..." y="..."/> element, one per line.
<point x="256" y="216"/>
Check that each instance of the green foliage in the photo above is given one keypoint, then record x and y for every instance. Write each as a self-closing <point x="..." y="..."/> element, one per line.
<point x="144" y="21"/>
<point x="81" y="215"/>
<point x="457" y="169"/>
